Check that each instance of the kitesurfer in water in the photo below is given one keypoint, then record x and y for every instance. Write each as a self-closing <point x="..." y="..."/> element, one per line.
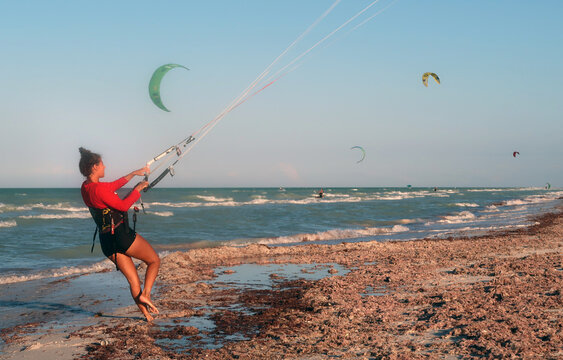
<point x="321" y="193"/>
<point x="119" y="242"/>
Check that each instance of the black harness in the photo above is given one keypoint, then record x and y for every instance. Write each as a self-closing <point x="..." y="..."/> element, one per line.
<point x="107" y="220"/>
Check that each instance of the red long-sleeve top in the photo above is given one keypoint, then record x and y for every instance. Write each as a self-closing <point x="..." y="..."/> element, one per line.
<point x="101" y="195"/>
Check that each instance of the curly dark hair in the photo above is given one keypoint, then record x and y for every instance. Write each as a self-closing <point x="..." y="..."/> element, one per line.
<point x="87" y="160"/>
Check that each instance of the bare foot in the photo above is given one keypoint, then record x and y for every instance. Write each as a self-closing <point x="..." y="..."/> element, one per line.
<point x="145" y="306"/>
<point x="145" y="312"/>
<point x="147" y="302"/>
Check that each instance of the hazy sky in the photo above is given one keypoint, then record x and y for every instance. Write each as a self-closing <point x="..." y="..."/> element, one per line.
<point x="76" y="73"/>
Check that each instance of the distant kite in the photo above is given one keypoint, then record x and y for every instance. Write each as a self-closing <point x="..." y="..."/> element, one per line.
<point x="514" y="153"/>
<point x="154" y="84"/>
<point x="363" y="153"/>
<point x="425" y="78"/>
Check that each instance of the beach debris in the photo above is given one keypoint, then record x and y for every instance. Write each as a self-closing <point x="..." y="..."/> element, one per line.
<point x="154" y="83"/>
<point x="514" y="153"/>
<point x="34" y="346"/>
<point x="428" y="74"/>
<point x="421" y="297"/>
<point x="363" y="153"/>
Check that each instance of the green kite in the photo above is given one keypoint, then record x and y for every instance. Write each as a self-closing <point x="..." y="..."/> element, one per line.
<point x="154" y="84"/>
<point x="363" y="152"/>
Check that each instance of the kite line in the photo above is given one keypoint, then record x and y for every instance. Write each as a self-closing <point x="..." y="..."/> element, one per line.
<point x="183" y="147"/>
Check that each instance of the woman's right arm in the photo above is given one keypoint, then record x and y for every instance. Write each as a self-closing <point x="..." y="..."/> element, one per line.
<point x="141" y="172"/>
<point x="110" y="198"/>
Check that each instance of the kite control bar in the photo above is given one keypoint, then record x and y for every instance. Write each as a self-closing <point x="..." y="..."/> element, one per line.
<point x="169" y="170"/>
<point x="160" y="156"/>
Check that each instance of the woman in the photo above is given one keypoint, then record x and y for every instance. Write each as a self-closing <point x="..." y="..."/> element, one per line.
<point x="119" y="242"/>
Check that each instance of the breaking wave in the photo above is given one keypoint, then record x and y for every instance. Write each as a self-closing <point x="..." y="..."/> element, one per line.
<point x="458" y="218"/>
<point x="8" y="223"/>
<point x="72" y="215"/>
<point x="532" y="199"/>
<point x="213" y="198"/>
<point x="28" y="207"/>
<point x="467" y="204"/>
<point x="54" y="273"/>
<point x="208" y="201"/>
<point x="336" y="234"/>
<point x="162" y="213"/>
<point x="506" y="189"/>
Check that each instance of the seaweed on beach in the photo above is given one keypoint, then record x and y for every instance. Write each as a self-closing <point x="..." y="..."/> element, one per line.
<point x="495" y="296"/>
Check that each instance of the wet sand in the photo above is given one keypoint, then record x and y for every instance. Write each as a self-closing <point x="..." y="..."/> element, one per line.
<point x="495" y="296"/>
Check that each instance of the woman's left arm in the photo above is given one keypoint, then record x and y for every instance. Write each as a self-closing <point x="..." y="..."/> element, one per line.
<point x="117" y="184"/>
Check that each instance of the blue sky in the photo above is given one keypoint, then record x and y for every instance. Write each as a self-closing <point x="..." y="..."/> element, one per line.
<point x="76" y="74"/>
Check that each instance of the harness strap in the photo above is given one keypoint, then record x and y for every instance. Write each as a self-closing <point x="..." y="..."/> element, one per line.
<point x="94" y="240"/>
<point x="135" y="211"/>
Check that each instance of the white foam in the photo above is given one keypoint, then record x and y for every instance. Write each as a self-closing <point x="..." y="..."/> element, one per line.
<point x="533" y="199"/>
<point x="469" y="229"/>
<point x="7" y="224"/>
<point x="335" y="234"/>
<point x="10" y="208"/>
<point x="213" y="198"/>
<point x="408" y="221"/>
<point x="489" y="190"/>
<point x="544" y="197"/>
<point x="313" y="199"/>
<point x="60" y="207"/>
<point x="162" y="213"/>
<point x="506" y="189"/>
<point x="72" y="215"/>
<point x="257" y="201"/>
<point x="491" y="208"/>
<point x="492" y="228"/>
<point x="467" y="204"/>
<point x="335" y="195"/>
<point x="53" y="273"/>
<point x="171" y="204"/>
<point x="401" y="195"/>
<point x="514" y="202"/>
<point x="330" y="197"/>
<point x="57" y="207"/>
<point x="458" y="218"/>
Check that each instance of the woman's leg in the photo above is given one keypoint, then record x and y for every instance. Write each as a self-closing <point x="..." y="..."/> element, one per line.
<point x="126" y="266"/>
<point x="142" y="250"/>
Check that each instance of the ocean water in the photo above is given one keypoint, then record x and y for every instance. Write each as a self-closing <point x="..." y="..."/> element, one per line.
<point x="46" y="233"/>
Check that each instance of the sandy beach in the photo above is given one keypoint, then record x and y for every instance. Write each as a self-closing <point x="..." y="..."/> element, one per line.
<point x="495" y="296"/>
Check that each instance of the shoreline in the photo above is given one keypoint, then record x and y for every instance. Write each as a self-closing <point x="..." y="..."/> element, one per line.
<point x="489" y="295"/>
<point x="190" y="216"/>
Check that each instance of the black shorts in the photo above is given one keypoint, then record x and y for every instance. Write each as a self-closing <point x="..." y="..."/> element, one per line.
<point x="119" y="241"/>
